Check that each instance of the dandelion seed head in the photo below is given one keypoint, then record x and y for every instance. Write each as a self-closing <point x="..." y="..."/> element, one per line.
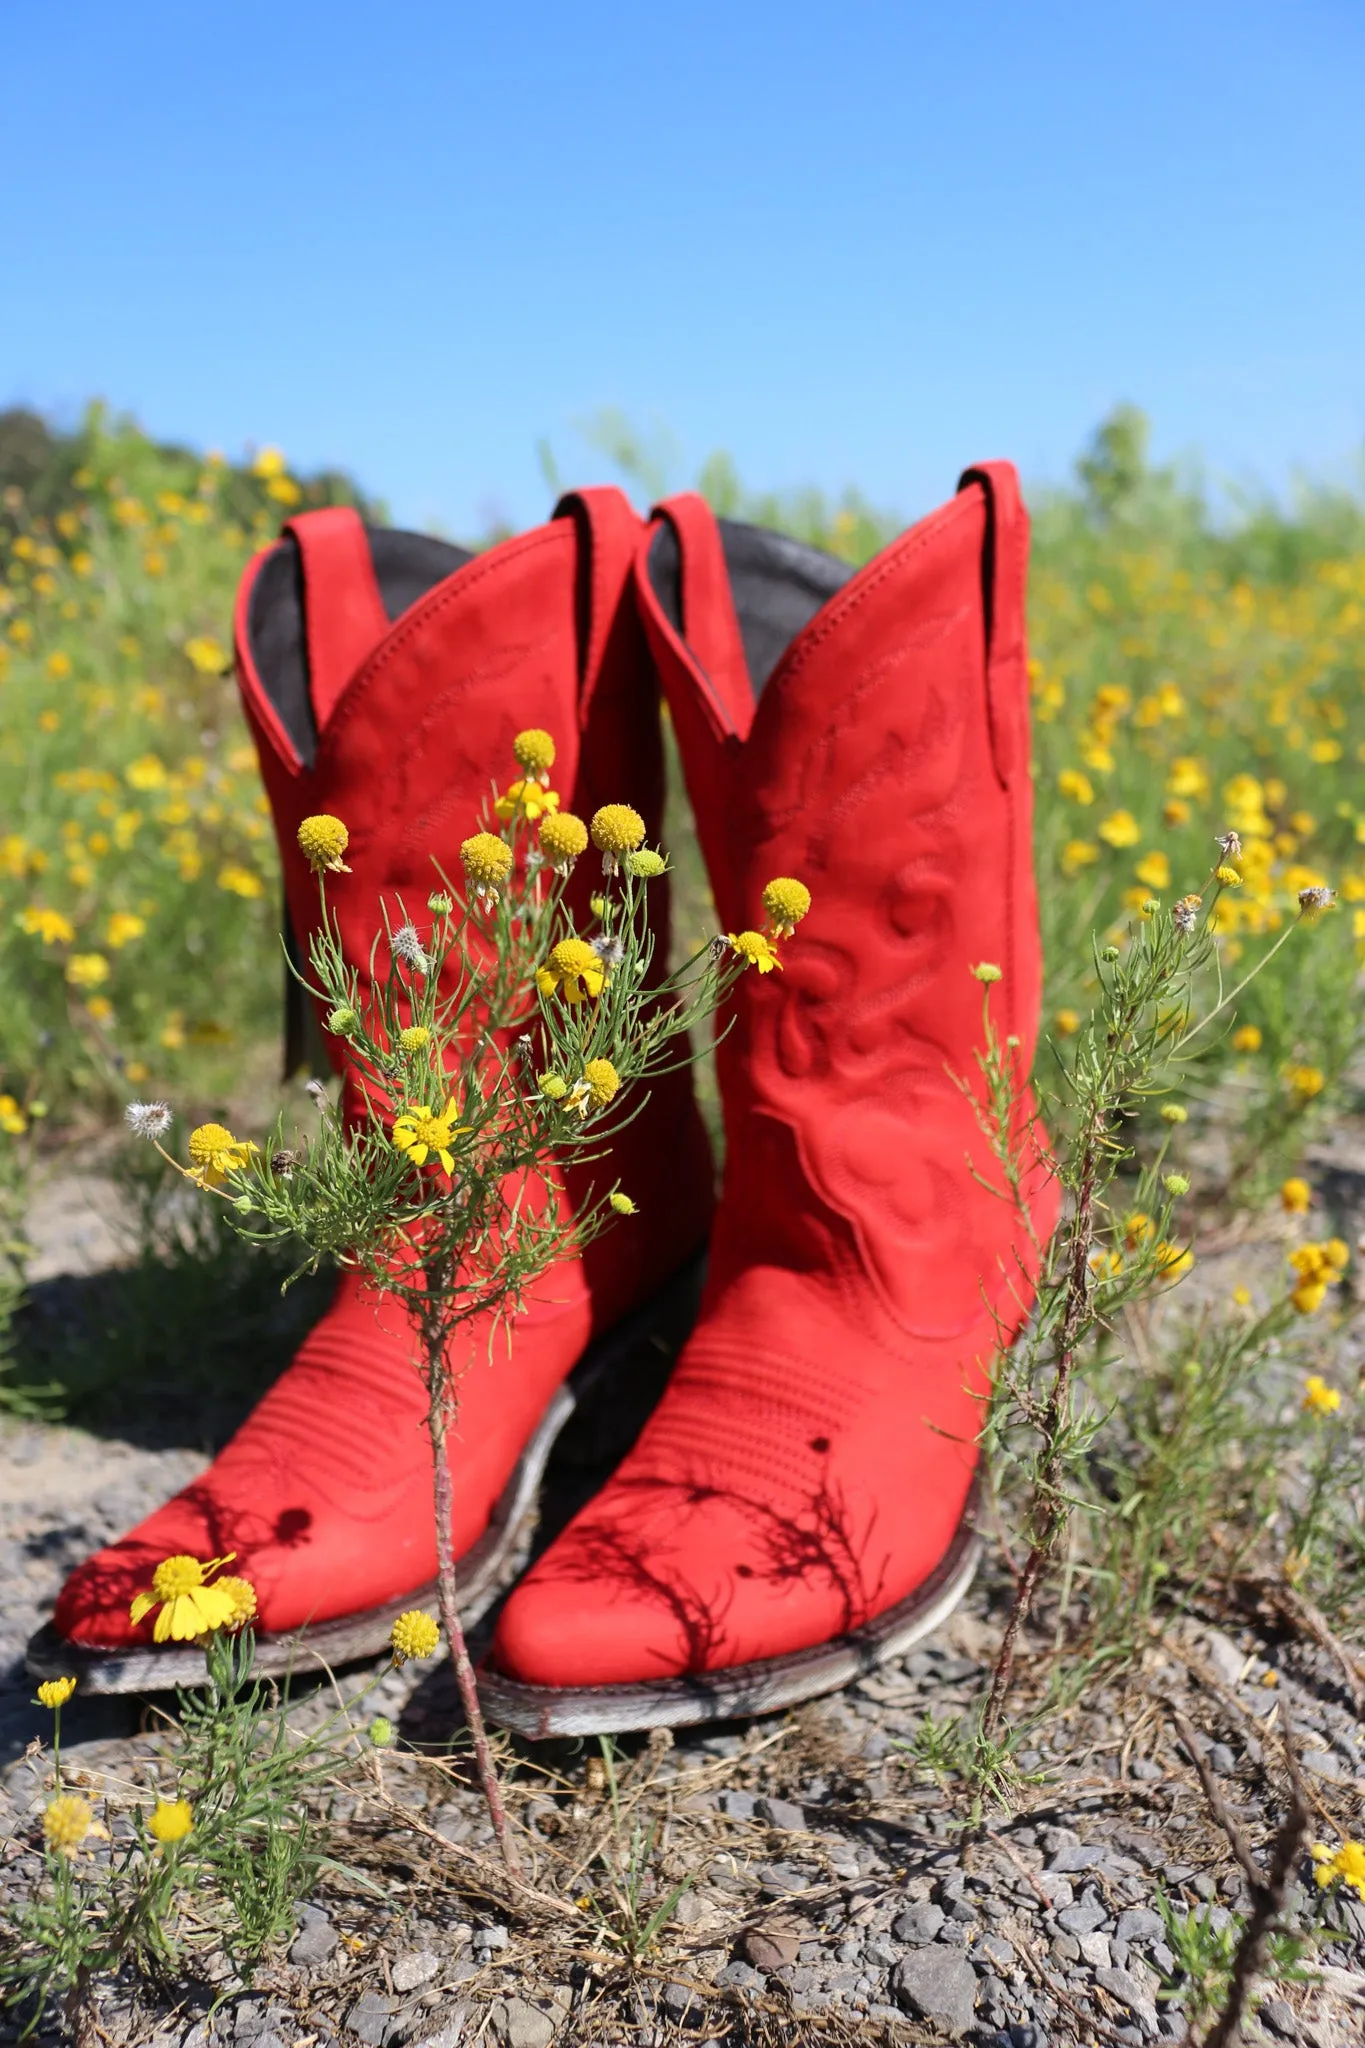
<point x="148" y="1119"/>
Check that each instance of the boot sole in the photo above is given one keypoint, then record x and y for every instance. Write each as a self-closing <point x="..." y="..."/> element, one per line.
<point x="482" y="1574"/>
<point x="763" y="1687"/>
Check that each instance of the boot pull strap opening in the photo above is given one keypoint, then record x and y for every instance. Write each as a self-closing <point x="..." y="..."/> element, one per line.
<point x="608" y="534"/>
<point x="1004" y="569"/>
<point x="344" y="614"/>
<point x="687" y="573"/>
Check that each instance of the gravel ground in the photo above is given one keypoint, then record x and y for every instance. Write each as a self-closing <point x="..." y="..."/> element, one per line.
<point x="830" y="1895"/>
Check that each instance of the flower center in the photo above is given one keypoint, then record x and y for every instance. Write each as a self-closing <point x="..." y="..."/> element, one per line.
<point x="431" y="1131"/>
<point x="177" y="1575"/>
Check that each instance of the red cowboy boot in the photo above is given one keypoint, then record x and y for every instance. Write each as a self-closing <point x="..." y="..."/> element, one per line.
<point x="384" y="676"/>
<point x="799" y="1505"/>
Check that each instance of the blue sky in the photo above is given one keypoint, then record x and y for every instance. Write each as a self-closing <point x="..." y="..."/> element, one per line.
<point x="863" y="244"/>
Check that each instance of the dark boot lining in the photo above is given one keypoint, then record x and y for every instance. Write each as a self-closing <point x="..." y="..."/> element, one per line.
<point x="406" y="566"/>
<point x="778" y="586"/>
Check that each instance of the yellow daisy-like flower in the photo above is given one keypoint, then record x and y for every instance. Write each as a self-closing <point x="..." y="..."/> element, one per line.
<point x="1120" y="829"/>
<point x="1296" y="1196"/>
<point x="1318" y="1397"/>
<point x="414" y="1038"/>
<point x="1346" y="1865"/>
<point x="123" y="927"/>
<point x="487" y="864"/>
<point x="1247" y="1038"/>
<point x="242" y="1594"/>
<point x="206" y="655"/>
<point x="87" y="970"/>
<point x="755" y="950"/>
<point x="574" y="969"/>
<point x="616" y="831"/>
<point x="786" y="902"/>
<point x="603" y="1082"/>
<point x="562" y="839"/>
<point x="215" y="1154"/>
<point x="987" y="971"/>
<point x="534" y="752"/>
<point x="419" y="1132"/>
<point x="1305" y="1081"/>
<point x="12" y="1119"/>
<point x="1154" y="869"/>
<point x="48" y="925"/>
<point x="322" y="841"/>
<point x="1066" y="1023"/>
<point x="67" y="1820"/>
<point x="190" y="1607"/>
<point x="623" y="1205"/>
<point x="1173" y="1261"/>
<point x="55" y="1692"/>
<point x="1229" y="877"/>
<point x="414" y="1634"/>
<point x="170" y="1820"/>
<point x="553" y="1087"/>
<point x="528" y="797"/>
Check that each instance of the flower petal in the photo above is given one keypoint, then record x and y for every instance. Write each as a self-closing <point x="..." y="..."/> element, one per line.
<point x="418" y="1154"/>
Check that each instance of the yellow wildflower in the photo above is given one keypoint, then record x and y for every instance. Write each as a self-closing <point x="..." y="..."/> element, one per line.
<point x="534" y="752"/>
<point x="414" y="1634"/>
<point x="1078" y="787"/>
<point x="87" y="970"/>
<point x="646" y="865"/>
<point x="1119" y="829"/>
<point x="1305" y="1081"/>
<point x="1296" y="1196"/>
<point x="1346" y="1864"/>
<point x="12" y="1119"/>
<point x="1154" y="869"/>
<point x="322" y="841"/>
<point x="48" y="925"/>
<point x="67" y="1820"/>
<point x="206" y="655"/>
<point x="123" y="927"/>
<point x="562" y="839"/>
<point x="1078" y="854"/>
<point x="603" y="1082"/>
<point x="786" y="902"/>
<point x="754" y="950"/>
<point x="1175" y="812"/>
<point x="1173" y="1261"/>
<point x="1066" y="1023"/>
<point x="215" y="1153"/>
<point x="1188" y="777"/>
<point x="190" y="1607"/>
<point x="147" y="772"/>
<point x="268" y="462"/>
<point x="622" y="1204"/>
<point x="529" y="798"/>
<point x="553" y="1087"/>
<point x="574" y="969"/>
<point x="170" y="1820"/>
<point x="414" y="1038"/>
<point x="1318" y="1397"/>
<point x="487" y="862"/>
<point x="240" y="881"/>
<point x="616" y="830"/>
<point x="55" y="1692"/>
<point x="59" y="666"/>
<point x="1247" y="1038"/>
<point x="419" y="1132"/>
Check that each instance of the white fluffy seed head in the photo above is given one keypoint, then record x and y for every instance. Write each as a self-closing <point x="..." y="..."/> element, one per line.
<point x="148" y="1119"/>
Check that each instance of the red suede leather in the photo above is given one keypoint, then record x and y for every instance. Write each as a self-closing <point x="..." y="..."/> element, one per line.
<point x="813" y="1454"/>
<point x="325" y="1493"/>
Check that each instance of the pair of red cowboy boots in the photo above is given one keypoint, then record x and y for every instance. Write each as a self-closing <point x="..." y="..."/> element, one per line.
<point x="799" y="1505"/>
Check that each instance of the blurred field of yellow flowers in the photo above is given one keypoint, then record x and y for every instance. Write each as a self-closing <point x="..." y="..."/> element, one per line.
<point x="1189" y="685"/>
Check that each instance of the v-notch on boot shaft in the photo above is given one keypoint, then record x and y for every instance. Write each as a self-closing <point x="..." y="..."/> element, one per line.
<point x="799" y="1505"/>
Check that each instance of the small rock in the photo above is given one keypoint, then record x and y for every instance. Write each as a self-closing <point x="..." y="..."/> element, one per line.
<point x="1139" y="1923"/>
<point x="938" y="1985"/>
<point x="414" y="1969"/>
<point x="739" y="1805"/>
<point x="1222" y="1759"/>
<point x="519" y="2025"/>
<point x="372" y="2018"/>
<point x="770" y="1949"/>
<point x="449" y="2034"/>
<point x="995" y="1949"/>
<point x="1323" y="1764"/>
<point x="490" y="1937"/>
<point x="1056" y="1889"/>
<point x="1129" y="1993"/>
<point x="1082" y="1856"/>
<point x="1066" y="1948"/>
<point x="678" y="2002"/>
<point x="314" y="1941"/>
<point x="1227" y="1660"/>
<point x="1278" y="2015"/>
<point x="779" y="1880"/>
<point x="1095" y="1949"/>
<point x="1082" y="1919"/>
<point x="783" y="1813"/>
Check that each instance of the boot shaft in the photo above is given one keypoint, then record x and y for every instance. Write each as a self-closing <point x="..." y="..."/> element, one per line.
<point x="884" y="764"/>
